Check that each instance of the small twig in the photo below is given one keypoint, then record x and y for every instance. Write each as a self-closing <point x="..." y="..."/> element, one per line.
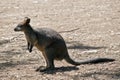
<point x="69" y="30"/>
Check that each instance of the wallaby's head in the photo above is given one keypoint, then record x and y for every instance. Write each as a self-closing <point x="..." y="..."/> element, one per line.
<point x="23" y="25"/>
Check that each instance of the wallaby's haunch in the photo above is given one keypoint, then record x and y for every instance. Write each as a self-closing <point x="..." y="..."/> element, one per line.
<point x="51" y="44"/>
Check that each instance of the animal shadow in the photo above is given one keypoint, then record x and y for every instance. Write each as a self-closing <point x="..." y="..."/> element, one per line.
<point x="4" y="42"/>
<point x="78" y="45"/>
<point x="61" y="69"/>
<point x="6" y="64"/>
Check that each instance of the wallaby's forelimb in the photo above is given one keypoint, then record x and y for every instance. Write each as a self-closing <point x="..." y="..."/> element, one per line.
<point x="29" y="47"/>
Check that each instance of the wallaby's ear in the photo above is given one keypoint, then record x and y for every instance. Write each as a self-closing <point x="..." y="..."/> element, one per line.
<point x="26" y="20"/>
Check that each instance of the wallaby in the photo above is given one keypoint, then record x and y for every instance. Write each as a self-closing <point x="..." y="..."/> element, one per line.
<point x="51" y="44"/>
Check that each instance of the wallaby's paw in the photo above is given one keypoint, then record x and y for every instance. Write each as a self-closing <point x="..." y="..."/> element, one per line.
<point x="30" y="50"/>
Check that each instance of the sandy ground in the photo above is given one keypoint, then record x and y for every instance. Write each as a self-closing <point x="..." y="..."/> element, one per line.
<point x="91" y="29"/>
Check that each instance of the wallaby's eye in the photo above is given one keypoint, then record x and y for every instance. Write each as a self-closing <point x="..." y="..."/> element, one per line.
<point x="19" y="25"/>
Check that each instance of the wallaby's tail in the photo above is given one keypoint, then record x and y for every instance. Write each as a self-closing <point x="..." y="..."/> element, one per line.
<point x="69" y="60"/>
<point x="91" y="61"/>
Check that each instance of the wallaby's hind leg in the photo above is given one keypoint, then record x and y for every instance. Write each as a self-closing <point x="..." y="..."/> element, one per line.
<point x="49" y="57"/>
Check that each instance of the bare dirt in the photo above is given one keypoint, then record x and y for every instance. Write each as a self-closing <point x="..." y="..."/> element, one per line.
<point x="91" y="29"/>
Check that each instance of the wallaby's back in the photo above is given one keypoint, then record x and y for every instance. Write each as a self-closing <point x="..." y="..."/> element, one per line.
<point x="46" y="37"/>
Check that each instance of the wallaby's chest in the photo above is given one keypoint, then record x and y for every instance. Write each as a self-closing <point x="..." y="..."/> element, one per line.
<point x="31" y="38"/>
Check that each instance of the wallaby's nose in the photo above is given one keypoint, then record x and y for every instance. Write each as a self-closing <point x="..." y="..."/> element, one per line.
<point x="15" y="29"/>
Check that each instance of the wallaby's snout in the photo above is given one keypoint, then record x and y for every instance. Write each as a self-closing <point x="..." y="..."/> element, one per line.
<point x="18" y="28"/>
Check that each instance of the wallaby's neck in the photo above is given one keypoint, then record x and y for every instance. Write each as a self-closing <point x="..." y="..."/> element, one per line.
<point x="28" y="30"/>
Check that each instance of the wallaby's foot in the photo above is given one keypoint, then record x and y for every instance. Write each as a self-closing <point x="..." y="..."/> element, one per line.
<point x="43" y="69"/>
<point x="29" y="50"/>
